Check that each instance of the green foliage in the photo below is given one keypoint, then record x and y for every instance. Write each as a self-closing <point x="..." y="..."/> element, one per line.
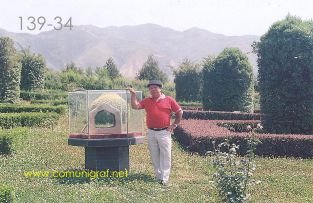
<point x="52" y="80"/>
<point x="11" y="120"/>
<point x="44" y="95"/>
<point x="33" y="70"/>
<point x="50" y="102"/>
<point x="10" y="69"/>
<point x="7" y="138"/>
<point x="17" y="108"/>
<point x="71" y="79"/>
<point x="190" y="103"/>
<point x="5" y="145"/>
<point x="229" y="82"/>
<point x="151" y="71"/>
<point x="112" y="68"/>
<point x="187" y="80"/>
<point x="208" y="64"/>
<point x="6" y="194"/>
<point x="285" y="61"/>
<point x="240" y="127"/>
<point x="233" y="174"/>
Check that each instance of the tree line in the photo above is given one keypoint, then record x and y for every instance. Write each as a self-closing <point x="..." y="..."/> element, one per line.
<point x="222" y="83"/>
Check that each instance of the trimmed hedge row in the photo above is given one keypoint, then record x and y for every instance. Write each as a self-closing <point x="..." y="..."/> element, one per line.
<point x="197" y="136"/>
<point x="219" y="115"/>
<point x="11" y="120"/>
<point x="49" y="95"/>
<point x="17" y="108"/>
<point x="50" y="102"/>
<point x="239" y="127"/>
<point x="184" y="103"/>
<point x="6" y="194"/>
<point x="6" y="139"/>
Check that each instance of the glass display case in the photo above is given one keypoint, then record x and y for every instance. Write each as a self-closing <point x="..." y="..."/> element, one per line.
<point x="104" y="114"/>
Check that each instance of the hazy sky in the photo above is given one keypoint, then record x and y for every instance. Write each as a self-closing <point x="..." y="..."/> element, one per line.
<point x="229" y="17"/>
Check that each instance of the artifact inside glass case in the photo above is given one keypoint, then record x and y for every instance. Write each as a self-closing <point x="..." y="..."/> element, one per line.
<point x="104" y="113"/>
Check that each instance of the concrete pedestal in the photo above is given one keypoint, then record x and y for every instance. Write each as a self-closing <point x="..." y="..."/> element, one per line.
<point x="106" y="153"/>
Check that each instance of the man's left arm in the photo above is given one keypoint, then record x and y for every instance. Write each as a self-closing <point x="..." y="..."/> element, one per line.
<point x="178" y="115"/>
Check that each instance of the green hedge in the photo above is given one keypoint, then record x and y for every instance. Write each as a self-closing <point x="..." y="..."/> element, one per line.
<point x="6" y="139"/>
<point x="239" y="127"/>
<point x="186" y="103"/>
<point x="18" y="108"/>
<point x="11" y="120"/>
<point x="49" y="95"/>
<point x="51" y="102"/>
<point x="6" y="194"/>
<point x="219" y="115"/>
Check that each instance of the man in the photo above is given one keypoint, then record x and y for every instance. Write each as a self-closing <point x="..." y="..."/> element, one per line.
<point x="159" y="108"/>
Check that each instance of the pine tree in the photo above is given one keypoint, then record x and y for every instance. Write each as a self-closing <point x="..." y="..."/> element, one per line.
<point x="151" y="71"/>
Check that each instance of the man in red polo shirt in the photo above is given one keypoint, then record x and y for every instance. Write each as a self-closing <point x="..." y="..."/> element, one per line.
<point x="159" y="108"/>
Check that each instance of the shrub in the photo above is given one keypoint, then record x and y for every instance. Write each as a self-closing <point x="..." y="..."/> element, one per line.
<point x="197" y="136"/>
<point x="51" y="102"/>
<point x="6" y="139"/>
<point x="11" y="120"/>
<point x="239" y="126"/>
<point x="219" y="115"/>
<point x="33" y="70"/>
<point x="10" y="71"/>
<point x="5" y="144"/>
<point x="6" y="194"/>
<point x="285" y="61"/>
<point x="188" y="81"/>
<point x="233" y="174"/>
<point x="44" y="95"/>
<point x="228" y="82"/>
<point x="18" y="108"/>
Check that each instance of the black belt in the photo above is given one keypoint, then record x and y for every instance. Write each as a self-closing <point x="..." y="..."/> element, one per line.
<point x="157" y="129"/>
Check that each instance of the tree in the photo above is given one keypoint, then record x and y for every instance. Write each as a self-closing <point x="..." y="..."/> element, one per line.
<point x="10" y="71"/>
<point x="151" y="71"/>
<point x="112" y="69"/>
<point x="285" y="60"/>
<point x="188" y="81"/>
<point x="206" y="90"/>
<point x="72" y="66"/>
<point x="52" y="79"/>
<point x="33" y="70"/>
<point x="228" y="82"/>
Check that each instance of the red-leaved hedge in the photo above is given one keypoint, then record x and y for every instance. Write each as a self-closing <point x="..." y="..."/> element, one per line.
<point x="219" y="115"/>
<point x="197" y="135"/>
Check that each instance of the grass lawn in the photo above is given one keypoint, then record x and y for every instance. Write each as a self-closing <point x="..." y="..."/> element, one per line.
<point x="282" y="180"/>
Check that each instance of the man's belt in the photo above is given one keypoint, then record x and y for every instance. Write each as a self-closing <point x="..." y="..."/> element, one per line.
<point x="157" y="129"/>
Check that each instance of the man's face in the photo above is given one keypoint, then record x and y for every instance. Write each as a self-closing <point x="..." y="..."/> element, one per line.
<point x="154" y="90"/>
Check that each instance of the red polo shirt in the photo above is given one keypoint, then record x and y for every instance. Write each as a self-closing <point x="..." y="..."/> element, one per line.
<point x="159" y="111"/>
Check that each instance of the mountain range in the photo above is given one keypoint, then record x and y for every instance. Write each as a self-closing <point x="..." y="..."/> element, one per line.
<point x="88" y="45"/>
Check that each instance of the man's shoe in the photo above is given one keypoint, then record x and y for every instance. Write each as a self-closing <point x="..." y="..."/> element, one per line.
<point x="165" y="183"/>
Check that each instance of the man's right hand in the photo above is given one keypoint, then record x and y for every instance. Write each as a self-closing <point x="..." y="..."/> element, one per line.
<point x="132" y="91"/>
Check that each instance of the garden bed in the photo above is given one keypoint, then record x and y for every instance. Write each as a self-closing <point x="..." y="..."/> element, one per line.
<point x="197" y="136"/>
<point x="220" y="115"/>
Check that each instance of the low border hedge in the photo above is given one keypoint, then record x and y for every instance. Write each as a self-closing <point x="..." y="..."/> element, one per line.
<point x="51" y="102"/>
<point x="18" y="108"/>
<point x="220" y="115"/>
<point x="44" y="95"/>
<point x="6" y="194"/>
<point x="28" y="119"/>
<point x="197" y="136"/>
<point x="7" y="139"/>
